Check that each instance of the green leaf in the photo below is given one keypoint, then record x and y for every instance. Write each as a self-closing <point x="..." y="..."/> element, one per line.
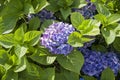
<point x="4" y="57"/>
<point x="108" y="34"/>
<point x="7" y="23"/>
<point x="2" y="4"/>
<point x="102" y="18"/>
<point x="73" y="61"/>
<point x="45" y="24"/>
<point x="2" y="71"/>
<point x="66" y="75"/>
<point x="7" y="40"/>
<point x="76" y="19"/>
<point x="93" y="0"/>
<point x="68" y="2"/>
<point x="117" y="30"/>
<point x="102" y="9"/>
<point x="104" y="1"/>
<point x="22" y="65"/>
<point x="32" y="37"/>
<point x="8" y="64"/>
<point x="32" y="72"/>
<point x="20" y="51"/>
<point x="48" y="74"/>
<point x="65" y="12"/>
<point x="107" y="74"/>
<point x="82" y="3"/>
<point x="13" y="60"/>
<point x="28" y="8"/>
<point x="100" y="48"/>
<point x="89" y="27"/>
<point x="115" y="27"/>
<point x="79" y="3"/>
<point x="111" y="5"/>
<point x="65" y="3"/>
<point x="39" y="5"/>
<point x="113" y="18"/>
<point x="45" y="60"/>
<point x="75" y="39"/>
<point x="10" y="15"/>
<point x="40" y="56"/>
<point x="116" y="44"/>
<point x="13" y="7"/>
<point x="34" y="23"/>
<point x="19" y="34"/>
<point x="53" y="6"/>
<point x="62" y="3"/>
<point x="89" y="78"/>
<point x="10" y="75"/>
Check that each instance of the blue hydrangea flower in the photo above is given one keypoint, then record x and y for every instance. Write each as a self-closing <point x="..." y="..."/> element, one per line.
<point x="96" y="62"/>
<point x="43" y="15"/>
<point x="81" y="78"/>
<point x="118" y="55"/>
<point x="55" y="38"/>
<point x="92" y="65"/>
<point x="87" y="11"/>
<point x="110" y="60"/>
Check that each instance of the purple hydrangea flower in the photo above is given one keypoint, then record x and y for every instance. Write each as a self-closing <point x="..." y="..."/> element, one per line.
<point x="88" y="0"/>
<point x="55" y="38"/>
<point x="87" y="11"/>
<point x="43" y="15"/>
<point x="96" y="62"/>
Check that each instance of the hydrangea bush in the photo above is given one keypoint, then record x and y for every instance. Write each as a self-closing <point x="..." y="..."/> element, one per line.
<point x="59" y="40"/>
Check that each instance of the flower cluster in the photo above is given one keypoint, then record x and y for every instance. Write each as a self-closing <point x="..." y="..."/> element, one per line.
<point x="43" y="15"/>
<point x="110" y="60"/>
<point x="55" y="38"/>
<point x="92" y="65"/>
<point x="87" y="11"/>
<point x="96" y="62"/>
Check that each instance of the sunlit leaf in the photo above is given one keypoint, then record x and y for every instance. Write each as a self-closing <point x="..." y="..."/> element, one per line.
<point x="7" y="40"/>
<point x="72" y="62"/>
